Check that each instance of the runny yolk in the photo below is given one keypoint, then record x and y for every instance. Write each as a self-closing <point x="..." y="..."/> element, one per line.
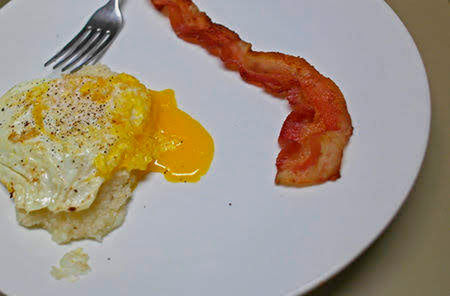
<point x="185" y="148"/>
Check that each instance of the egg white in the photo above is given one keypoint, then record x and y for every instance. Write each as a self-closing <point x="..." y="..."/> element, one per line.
<point x="52" y="164"/>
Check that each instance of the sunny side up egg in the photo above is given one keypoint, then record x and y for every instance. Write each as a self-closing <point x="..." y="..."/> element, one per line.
<point x="61" y="139"/>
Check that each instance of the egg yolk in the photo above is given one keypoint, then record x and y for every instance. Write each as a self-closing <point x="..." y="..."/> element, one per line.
<point x="179" y="147"/>
<point x="186" y="148"/>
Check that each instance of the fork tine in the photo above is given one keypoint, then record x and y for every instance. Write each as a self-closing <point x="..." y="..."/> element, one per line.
<point x="99" y="49"/>
<point x="77" y="49"/>
<point x="94" y="42"/>
<point x="67" y="46"/>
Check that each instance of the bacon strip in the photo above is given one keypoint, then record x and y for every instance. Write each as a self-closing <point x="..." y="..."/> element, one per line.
<point x="319" y="127"/>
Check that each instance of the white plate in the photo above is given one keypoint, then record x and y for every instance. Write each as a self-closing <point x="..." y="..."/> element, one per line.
<point x="185" y="239"/>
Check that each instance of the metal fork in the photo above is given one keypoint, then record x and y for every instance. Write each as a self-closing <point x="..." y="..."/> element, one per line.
<point x="95" y="36"/>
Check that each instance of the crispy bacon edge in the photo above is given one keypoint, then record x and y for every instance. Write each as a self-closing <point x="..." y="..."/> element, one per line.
<point x="319" y="127"/>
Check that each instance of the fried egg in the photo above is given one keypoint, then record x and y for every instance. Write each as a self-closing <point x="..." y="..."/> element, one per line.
<point x="62" y="139"/>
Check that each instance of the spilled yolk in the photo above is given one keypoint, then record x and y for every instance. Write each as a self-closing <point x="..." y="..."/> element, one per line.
<point x="186" y="148"/>
<point x="166" y="141"/>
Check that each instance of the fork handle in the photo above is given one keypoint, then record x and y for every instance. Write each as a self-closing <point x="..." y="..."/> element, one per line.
<point x="114" y="3"/>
